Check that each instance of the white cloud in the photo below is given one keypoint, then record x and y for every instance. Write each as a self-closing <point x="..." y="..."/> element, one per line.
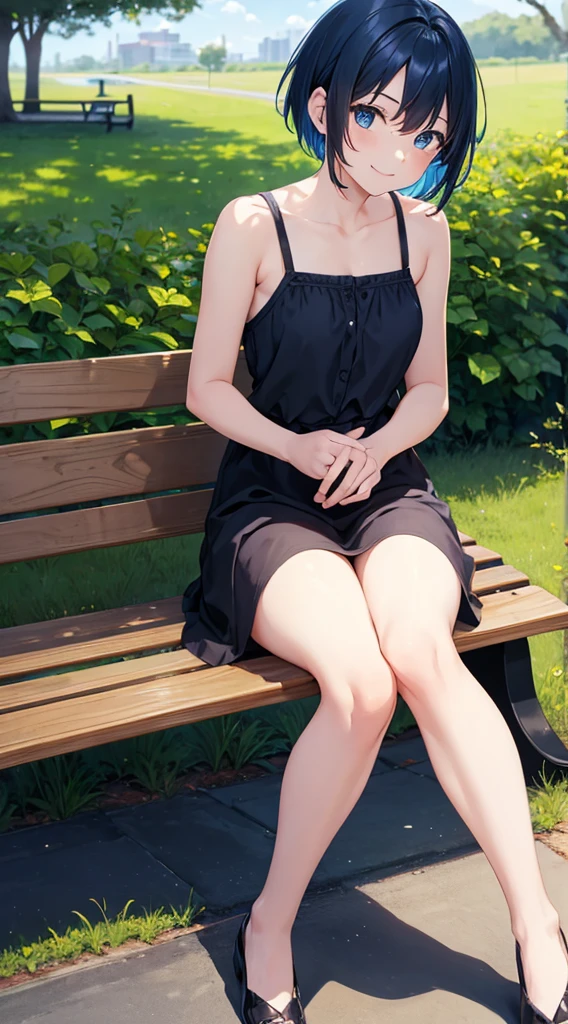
<point x="249" y="16"/>
<point x="233" y="7"/>
<point x="298" y="21"/>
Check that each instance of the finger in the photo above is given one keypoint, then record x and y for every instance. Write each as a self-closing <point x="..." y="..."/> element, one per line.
<point x="330" y="479"/>
<point x="345" y="439"/>
<point x="352" y="479"/>
<point x="333" y="472"/>
<point x="364" y="491"/>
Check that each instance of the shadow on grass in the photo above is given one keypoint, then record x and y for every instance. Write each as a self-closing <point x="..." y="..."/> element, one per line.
<point x="176" y="172"/>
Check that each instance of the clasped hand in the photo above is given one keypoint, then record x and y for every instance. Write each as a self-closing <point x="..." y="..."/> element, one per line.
<point x="362" y="475"/>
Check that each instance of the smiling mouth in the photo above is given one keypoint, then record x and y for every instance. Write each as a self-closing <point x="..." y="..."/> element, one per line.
<point x="383" y="172"/>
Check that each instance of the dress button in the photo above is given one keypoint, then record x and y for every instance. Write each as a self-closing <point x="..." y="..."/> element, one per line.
<point x="351" y="322"/>
<point x="364" y="295"/>
<point x="343" y="375"/>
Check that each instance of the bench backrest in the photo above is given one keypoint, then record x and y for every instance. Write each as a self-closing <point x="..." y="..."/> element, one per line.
<point x="49" y="475"/>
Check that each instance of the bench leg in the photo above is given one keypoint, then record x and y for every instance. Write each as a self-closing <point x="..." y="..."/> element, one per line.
<point x="505" y="672"/>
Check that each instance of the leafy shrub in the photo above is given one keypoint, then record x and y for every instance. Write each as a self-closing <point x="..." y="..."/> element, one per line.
<point x="119" y="292"/>
<point x="62" y="297"/>
<point x="507" y="309"/>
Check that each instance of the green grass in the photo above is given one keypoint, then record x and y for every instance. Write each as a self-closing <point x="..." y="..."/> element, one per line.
<point x="190" y="153"/>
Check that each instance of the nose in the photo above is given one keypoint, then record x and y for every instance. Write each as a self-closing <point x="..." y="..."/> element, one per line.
<point x="400" y="155"/>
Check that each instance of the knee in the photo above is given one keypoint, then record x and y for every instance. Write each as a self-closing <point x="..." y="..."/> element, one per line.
<point x="364" y="697"/>
<point x="420" y="660"/>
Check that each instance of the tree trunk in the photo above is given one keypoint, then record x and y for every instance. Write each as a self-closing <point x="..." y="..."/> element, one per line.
<point x="6" y="36"/>
<point x="32" y="46"/>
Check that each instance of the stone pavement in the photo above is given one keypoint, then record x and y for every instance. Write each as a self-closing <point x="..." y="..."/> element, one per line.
<point x="404" y="918"/>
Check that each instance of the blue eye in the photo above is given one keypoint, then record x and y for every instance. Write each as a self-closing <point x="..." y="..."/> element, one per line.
<point x="364" y="117"/>
<point x="425" y="138"/>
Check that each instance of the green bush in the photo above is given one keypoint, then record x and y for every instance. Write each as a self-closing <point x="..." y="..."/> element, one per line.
<point x="507" y="311"/>
<point x="124" y="291"/>
<point x="119" y="293"/>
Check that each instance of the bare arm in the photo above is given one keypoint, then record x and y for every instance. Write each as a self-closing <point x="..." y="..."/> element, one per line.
<point x="229" y="280"/>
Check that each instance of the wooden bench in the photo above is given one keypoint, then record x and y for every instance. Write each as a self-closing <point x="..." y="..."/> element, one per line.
<point x="58" y="711"/>
<point x="79" y="111"/>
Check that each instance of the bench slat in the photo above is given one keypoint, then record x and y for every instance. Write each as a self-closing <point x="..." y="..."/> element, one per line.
<point x="64" y="471"/>
<point x="129" y="708"/>
<point x="74" y="639"/>
<point x="34" y="392"/>
<point x="58" y="533"/>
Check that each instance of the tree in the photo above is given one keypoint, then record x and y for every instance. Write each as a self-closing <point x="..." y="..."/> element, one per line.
<point x="33" y="18"/>
<point x="8" y="29"/>
<point x="212" y="57"/>
<point x="553" y="26"/>
<point x="499" y="35"/>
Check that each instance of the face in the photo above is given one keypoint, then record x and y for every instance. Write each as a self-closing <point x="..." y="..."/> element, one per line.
<point x="383" y="158"/>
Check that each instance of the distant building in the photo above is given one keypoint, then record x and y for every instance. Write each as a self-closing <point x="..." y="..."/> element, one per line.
<point x="160" y="48"/>
<point x="274" y="50"/>
<point x="280" y="50"/>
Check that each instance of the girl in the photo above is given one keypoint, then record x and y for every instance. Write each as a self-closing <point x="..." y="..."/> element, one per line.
<point x="337" y="577"/>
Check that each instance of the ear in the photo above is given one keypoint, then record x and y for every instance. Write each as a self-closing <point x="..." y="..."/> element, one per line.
<point x="316" y="109"/>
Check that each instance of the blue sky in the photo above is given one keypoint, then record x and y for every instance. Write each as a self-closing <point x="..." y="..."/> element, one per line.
<point x="244" y="23"/>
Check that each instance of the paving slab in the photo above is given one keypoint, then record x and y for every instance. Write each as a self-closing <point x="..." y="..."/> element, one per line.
<point x="221" y="852"/>
<point x="42" y="890"/>
<point x="404" y="752"/>
<point x="398" y="817"/>
<point x="431" y="945"/>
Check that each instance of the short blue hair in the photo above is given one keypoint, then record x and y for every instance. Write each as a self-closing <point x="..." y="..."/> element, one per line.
<point x="356" y="47"/>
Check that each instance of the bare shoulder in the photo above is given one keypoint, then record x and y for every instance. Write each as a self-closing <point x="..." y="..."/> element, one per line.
<point x="243" y="217"/>
<point x="429" y="229"/>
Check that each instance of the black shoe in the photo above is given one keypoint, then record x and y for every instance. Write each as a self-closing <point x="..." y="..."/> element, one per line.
<point x="255" y="1010"/>
<point x="530" y="1014"/>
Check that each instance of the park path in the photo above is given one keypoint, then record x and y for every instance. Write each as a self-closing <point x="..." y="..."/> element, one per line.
<point x="184" y="86"/>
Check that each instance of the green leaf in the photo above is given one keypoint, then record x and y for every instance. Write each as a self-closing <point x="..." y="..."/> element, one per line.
<point x="171" y="297"/>
<point x="145" y="236"/>
<point x="48" y="305"/>
<point x="101" y="283"/>
<point x="166" y="338"/>
<point x="73" y="346"/>
<point x="78" y="254"/>
<point x="56" y="272"/>
<point x="83" y="281"/>
<point x="23" y="341"/>
<point x="54" y="424"/>
<point x="79" y="332"/>
<point x="556" y="337"/>
<point x="16" y="263"/>
<point x="97" y="321"/>
<point x="484" y="366"/>
<point x="34" y="291"/>
<point x="116" y="311"/>
<point x="160" y="269"/>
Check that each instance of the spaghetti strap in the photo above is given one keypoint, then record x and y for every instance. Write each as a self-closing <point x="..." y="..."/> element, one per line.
<point x="401" y="229"/>
<point x="281" y="230"/>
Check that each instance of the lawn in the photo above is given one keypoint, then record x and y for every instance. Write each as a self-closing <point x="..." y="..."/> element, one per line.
<point x="190" y="153"/>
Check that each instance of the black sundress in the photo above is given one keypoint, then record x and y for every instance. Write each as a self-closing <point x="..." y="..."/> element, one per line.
<point x="325" y="351"/>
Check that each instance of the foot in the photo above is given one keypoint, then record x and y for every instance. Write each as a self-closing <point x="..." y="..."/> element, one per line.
<point x="268" y="957"/>
<point x="546" y="969"/>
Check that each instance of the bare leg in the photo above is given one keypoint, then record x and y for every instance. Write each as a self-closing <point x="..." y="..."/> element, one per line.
<point x="469" y="743"/>
<point x="309" y="595"/>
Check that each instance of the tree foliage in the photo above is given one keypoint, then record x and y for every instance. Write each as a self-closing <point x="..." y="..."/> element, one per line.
<point x="498" y="35"/>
